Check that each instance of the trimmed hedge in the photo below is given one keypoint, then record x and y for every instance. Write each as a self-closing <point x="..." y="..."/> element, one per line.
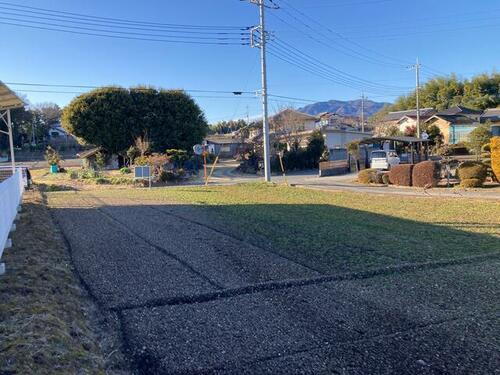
<point x="426" y="174"/>
<point x="367" y="176"/>
<point x="401" y="174"/>
<point x="471" y="183"/>
<point x="472" y="170"/>
<point x="495" y="156"/>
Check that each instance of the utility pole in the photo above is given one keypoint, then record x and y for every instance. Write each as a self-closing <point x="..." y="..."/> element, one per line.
<point x="265" y="121"/>
<point x="417" y="93"/>
<point x="363" y="112"/>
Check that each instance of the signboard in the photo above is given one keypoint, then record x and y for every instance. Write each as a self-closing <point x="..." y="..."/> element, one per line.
<point x="142" y="172"/>
<point x="198" y="149"/>
<point x="424" y="135"/>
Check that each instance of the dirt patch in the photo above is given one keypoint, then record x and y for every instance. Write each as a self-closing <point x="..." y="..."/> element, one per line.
<point x="48" y="322"/>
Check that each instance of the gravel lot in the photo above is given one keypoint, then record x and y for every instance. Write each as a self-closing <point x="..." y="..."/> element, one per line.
<point x="192" y="299"/>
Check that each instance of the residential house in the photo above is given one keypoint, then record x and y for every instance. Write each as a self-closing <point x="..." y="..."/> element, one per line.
<point x="227" y="145"/>
<point x="58" y="136"/>
<point x="492" y="115"/>
<point x="338" y="138"/>
<point x="407" y="119"/>
<point x="336" y="120"/>
<point x="456" y="123"/>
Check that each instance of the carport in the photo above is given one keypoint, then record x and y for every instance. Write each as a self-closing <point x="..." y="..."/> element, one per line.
<point x="9" y="100"/>
<point x="418" y="148"/>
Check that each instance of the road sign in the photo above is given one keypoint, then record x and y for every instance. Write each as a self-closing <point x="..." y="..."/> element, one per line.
<point x="198" y="149"/>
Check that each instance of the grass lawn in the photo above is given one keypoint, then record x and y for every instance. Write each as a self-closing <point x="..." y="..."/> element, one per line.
<point x="47" y="321"/>
<point x="334" y="231"/>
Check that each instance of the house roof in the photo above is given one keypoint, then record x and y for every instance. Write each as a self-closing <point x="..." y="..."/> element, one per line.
<point x="222" y="139"/>
<point x="89" y="153"/>
<point x="395" y="116"/>
<point x="491" y="114"/>
<point x="458" y="109"/>
<point x="456" y="119"/>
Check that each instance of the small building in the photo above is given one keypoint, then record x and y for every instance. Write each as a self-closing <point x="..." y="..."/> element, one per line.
<point x="59" y="136"/>
<point x="492" y="115"/>
<point x="407" y="118"/>
<point x="456" y="123"/>
<point x="290" y="120"/>
<point x="338" y="138"/>
<point x="227" y="145"/>
<point x="89" y="159"/>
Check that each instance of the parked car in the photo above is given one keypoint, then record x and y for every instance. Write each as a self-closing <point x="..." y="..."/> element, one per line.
<point x="381" y="159"/>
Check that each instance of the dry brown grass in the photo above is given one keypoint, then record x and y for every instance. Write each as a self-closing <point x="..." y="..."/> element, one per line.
<point x="48" y="323"/>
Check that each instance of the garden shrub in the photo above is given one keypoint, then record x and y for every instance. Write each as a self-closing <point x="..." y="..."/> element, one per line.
<point x="495" y="156"/>
<point x="125" y="170"/>
<point x="74" y="175"/>
<point x="121" y="181"/>
<point x="367" y="176"/>
<point x="101" y="181"/>
<point x="401" y="174"/>
<point x="471" y="183"/>
<point x="379" y="177"/>
<point x="385" y="179"/>
<point x="472" y="170"/>
<point x="426" y="174"/>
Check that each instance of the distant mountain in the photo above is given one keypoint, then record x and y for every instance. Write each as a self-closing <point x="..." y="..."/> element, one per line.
<point x="344" y="108"/>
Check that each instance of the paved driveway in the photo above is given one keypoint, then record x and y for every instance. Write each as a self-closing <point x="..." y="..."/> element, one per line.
<point x="194" y="299"/>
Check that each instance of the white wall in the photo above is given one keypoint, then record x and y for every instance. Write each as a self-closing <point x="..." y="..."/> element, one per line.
<point x="339" y="138"/>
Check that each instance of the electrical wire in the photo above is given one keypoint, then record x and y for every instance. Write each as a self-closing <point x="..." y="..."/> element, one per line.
<point x="80" y="16"/>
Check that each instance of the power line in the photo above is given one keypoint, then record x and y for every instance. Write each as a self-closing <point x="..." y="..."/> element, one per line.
<point x="110" y="19"/>
<point x="235" y="92"/>
<point x="125" y="37"/>
<point x="341" y="36"/>
<point x="169" y="29"/>
<point x="218" y="37"/>
<point x="83" y="92"/>
<point x="347" y="76"/>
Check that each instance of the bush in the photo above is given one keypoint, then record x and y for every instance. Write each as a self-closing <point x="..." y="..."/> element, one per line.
<point x="101" y="181"/>
<point x="367" y="176"/>
<point x="52" y="156"/>
<point x="121" y="181"/>
<point x="472" y="170"/>
<point x="379" y="177"/>
<point x="495" y="156"/>
<point x="426" y="174"/>
<point x="471" y="183"/>
<point x="88" y="174"/>
<point x="401" y="174"/>
<point x="385" y="179"/>
<point x="125" y="170"/>
<point x="74" y="175"/>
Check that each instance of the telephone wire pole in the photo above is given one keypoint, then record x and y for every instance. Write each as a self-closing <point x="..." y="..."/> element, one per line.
<point x="265" y="120"/>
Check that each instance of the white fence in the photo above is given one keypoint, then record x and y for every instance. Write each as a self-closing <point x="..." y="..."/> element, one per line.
<point x="11" y="194"/>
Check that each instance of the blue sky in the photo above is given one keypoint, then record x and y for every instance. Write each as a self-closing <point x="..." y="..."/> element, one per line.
<point x="368" y="42"/>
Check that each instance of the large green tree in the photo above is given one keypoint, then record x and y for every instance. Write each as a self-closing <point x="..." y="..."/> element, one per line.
<point x="113" y="117"/>
<point x="480" y="92"/>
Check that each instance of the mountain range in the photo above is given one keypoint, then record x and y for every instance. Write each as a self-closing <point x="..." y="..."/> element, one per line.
<point x="344" y="108"/>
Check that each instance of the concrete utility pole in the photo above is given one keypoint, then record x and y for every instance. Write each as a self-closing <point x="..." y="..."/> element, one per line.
<point x="417" y="93"/>
<point x="363" y="112"/>
<point x="265" y="121"/>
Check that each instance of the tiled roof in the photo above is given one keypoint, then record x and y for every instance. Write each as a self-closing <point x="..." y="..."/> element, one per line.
<point x="395" y="116"/>
<point x="459" y="110"/>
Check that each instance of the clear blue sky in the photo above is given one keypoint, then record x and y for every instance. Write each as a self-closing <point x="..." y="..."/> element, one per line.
<point x="368" y="40"/>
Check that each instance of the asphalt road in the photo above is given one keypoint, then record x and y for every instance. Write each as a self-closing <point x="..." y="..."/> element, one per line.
<point x="194" y="299"/>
